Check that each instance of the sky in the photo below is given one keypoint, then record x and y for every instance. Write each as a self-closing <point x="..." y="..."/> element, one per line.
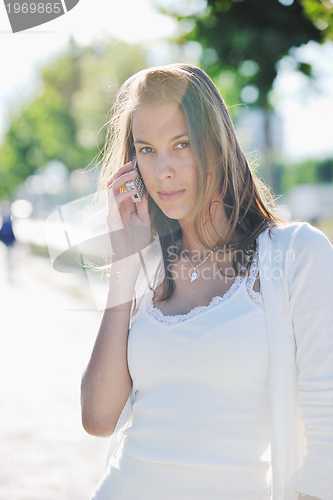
<point x="305" y="112"/>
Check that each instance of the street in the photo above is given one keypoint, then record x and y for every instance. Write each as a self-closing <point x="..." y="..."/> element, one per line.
<point x="48" y="327"/>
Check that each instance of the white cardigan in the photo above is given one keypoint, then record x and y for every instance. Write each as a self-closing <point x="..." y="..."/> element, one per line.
<point x="296" y="275"/>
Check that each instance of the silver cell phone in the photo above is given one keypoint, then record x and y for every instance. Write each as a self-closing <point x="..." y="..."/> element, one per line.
<point x="136" y="183"/>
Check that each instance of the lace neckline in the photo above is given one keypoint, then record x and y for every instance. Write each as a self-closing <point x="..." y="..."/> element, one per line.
<point x="178" y="318"/>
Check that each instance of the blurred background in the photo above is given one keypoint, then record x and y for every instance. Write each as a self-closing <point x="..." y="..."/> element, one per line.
<point x="272" y="61"/>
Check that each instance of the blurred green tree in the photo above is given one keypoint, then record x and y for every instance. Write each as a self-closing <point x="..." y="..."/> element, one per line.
<point x="69" y="108"/>
<point x="306" y="172"/>
<point x="243" y="40"/>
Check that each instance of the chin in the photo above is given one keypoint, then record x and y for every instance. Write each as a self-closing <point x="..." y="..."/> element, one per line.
<point x="183" y="220"/>
<point x="176" y="214"/>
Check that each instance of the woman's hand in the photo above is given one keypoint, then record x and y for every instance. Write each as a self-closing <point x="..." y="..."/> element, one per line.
<point x="129" y="223"/>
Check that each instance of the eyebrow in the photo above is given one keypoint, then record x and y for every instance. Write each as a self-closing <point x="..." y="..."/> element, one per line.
<point x="139" y="141"/>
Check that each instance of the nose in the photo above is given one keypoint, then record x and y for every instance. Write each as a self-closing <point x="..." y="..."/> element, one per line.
<point x="164" y="167"/>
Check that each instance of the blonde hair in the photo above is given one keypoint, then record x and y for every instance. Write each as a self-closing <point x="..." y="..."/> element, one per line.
<point x="248" y="203"/>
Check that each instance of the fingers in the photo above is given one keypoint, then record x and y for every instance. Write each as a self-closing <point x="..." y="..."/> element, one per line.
<point x="116" y="182"/>
<point x="122" y="209"/>
<point x="125" y="169"/>
<point x="120" y="197"/>
<point x="116" y="203"/>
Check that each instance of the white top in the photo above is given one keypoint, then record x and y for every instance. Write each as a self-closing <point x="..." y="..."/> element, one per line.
<point x="296" y="275"/>
<point x="212" y="361"/>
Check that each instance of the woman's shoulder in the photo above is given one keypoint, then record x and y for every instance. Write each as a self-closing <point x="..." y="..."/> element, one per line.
<point x="293" y="233"/>
<point x="298" y="238"/>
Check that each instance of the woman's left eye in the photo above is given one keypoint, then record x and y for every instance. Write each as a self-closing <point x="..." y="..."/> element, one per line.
<point x="183" y="145"/>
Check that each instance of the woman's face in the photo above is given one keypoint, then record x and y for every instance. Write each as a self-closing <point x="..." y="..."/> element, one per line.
<point x="165" y="159"/>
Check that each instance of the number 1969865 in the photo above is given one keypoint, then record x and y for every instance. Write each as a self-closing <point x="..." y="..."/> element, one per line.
<point x="33" y="8"/>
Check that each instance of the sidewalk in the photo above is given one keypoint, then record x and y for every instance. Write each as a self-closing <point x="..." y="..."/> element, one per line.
<point x="48" y="328"/>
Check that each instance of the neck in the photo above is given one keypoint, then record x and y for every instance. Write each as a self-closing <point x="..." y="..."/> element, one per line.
<point x="214" y="226"/>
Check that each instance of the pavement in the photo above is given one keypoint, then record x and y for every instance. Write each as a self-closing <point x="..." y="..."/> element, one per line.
<point x="48" y="325"/>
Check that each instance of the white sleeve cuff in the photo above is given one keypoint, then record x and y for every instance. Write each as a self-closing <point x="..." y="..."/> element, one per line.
<point x="315" y="477"/>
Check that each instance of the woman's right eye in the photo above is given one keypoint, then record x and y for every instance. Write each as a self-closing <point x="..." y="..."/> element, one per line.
<point x="144" y="150"/>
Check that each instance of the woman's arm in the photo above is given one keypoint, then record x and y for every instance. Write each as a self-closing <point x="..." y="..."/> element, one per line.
<point x="106" y="382"/>
<point x="311" y="306"/>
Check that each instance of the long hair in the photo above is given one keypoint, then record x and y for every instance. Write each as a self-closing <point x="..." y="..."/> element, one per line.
<point x="248" y="204"/>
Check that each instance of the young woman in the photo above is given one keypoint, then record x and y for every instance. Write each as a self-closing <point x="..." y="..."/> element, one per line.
<point x="229" y="351"/>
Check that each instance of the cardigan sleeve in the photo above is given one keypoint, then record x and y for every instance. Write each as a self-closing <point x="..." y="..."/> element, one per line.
<point x="311" y="302"/>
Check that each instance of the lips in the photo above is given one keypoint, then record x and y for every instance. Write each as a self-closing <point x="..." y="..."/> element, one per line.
<point x="170" y="195"/>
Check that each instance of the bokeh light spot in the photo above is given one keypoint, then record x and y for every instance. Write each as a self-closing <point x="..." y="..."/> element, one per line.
<point x="249" y="94"/>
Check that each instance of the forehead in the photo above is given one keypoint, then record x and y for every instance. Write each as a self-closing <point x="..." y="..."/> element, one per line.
<point x="153" y="120"/>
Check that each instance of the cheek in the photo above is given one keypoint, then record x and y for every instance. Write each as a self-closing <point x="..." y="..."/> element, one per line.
<point x="147" y="177"/>
<point x="190" y="173"/>
<point x="149" y="181"/>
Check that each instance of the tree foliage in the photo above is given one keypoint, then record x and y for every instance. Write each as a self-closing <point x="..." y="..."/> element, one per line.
<point x="243" y="40"/>
<point x="307" y="172"/>
<point x="63" y="119"/>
